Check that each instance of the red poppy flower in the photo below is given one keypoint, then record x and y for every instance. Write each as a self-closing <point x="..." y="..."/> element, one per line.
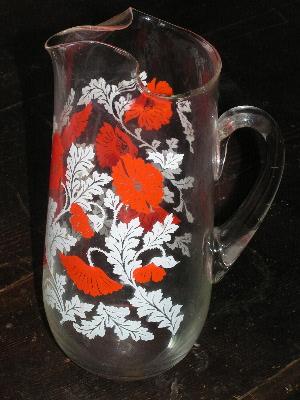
<point x="150" y="272"/>
<point x="91" y="280"/>
<point x="161" y="87"/>
<point x="80" y="222"/>
<point x="152" y="112"/>
<point x="57" y="167"/>
<point x="139" y="184"/>
<point x="147" y="220"/>
<point x="111" y="144"/>
<point x="76" y="126"/>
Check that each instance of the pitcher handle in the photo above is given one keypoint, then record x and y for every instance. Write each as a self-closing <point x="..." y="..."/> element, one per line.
<point x="232" y="237"/>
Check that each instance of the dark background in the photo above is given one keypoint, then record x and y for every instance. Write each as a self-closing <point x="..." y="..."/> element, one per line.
<point x="252" y="331"/>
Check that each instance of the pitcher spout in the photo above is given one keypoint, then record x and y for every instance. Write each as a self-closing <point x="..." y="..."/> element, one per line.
<point x="167" y="52"/>
<point x="96" y="33"/>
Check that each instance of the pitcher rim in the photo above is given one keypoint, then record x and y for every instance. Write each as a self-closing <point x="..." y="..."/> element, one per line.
<point x="211" y="51"/>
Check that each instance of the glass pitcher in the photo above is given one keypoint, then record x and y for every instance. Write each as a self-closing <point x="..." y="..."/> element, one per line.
<point x="131" y="250"/>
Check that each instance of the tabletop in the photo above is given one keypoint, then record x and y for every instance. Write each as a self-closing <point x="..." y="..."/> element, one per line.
<point x="249" y="347"/>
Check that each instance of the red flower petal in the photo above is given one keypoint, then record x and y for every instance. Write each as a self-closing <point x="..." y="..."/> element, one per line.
<point x="91" y="280"/>
<point x="150" y="272"/>
<point x="80" y="222"/>
<point x="76" y="126"/>
<point x="111" y="144"/>
<point x="57" y="168"/>
<point x="161" y="87"/>
<point x="151" y="112"/>
<point x="139" y="184"/>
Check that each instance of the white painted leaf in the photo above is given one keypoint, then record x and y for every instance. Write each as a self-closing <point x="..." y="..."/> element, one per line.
<point x="60" y="282"/>
<point x="65" y="115"/>
<point x="184" y="106"/>
<point x="156" y="143"/>
<point x="156" y="157"/>
<point x="75" y="307"/>
<point x="157" y="309"/>
<point x="113" y="317"/>
<point x="52" y="206"/>
<point x="83" y="190"/>
<point x="97" y="89"/>
<point x="58" y="239"/>
<point x="182" y="243"/>
<point x="167" y="160"/>
<point x="53" y="291"/>
<point x="125" y="328"/>
<point x="79" y="164"/>
<point x="122" y="242"/>
<point x="143" y="77"/>
<point x="167" y="173"/>
<point x="168" y="195"/>
<point x="111" y="200"/>
<point x="173" y="160"/>
<point x="50" y="296"/>
<point x="137" y="133"/>
<point x="122" y="104"/>
<point x="97" y="221"/>
<point x="96" y="327"/>
<point x="160" y="233"/>
<point x="165" y="262"/>
<point x="185" y="183"/>
<point x="172" y="143"/>
<point x="189" y="215"/>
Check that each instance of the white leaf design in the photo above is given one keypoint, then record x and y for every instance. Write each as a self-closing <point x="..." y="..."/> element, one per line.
<point x="157" y="309"/>
<point x="122" y="242"/>
<point x="167" y="160"/>
<point x="168" y="195"/>
<point x="172" y="143"/>
<point x="111" y="200"/>
<point x="156" y="157"/>
<point x="65" y="115"/>
<point x="185" y="183"/>
<point x="189" y="215"/>
<point x="160" y="233"/>
<point x="83" y="190"/>
<point x="58" y="238"/>
<point x="97" y="221"/>
<point x="113" y="317"/>
<point x="173" y="160"/>
<point x="184" y="106"/>
<point x="182" y="243"/>
<point x="60" y="282"/>
<point x="156" y="143"/>
<point x="138" y="132"/>
<point x="122" y="104"/>
<point x="51" y="298"/>
<point x="97" y="89"/>
<point x="79" y="163"/>
<point x="53" y="292"/>
<point x="143" y="77"/>
<point x="75" y="307"/>
<point x="52" y="207"/>
<point x="165" y="262"/>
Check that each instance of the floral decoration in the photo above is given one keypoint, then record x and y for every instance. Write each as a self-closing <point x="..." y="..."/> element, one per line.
<point x="123" y="202"/>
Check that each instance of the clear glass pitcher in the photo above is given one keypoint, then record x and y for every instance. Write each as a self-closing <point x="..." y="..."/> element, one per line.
<point x="131" y="249"/>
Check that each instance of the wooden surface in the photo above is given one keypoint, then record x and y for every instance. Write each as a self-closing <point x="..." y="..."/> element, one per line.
<point x="249" y="348"/>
